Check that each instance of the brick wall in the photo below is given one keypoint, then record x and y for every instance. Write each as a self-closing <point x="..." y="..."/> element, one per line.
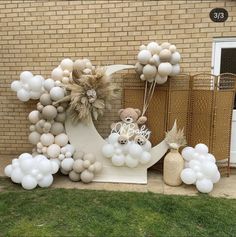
<point x="37" y="35"/>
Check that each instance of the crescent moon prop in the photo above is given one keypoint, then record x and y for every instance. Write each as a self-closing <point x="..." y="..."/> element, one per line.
<point x="84" y="136"/>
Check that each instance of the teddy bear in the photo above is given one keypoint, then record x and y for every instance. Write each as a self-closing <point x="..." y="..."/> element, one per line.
<point x="128" y="116"/>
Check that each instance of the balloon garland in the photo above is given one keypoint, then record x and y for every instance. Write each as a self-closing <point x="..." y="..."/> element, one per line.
<point x="72" y="83"/>
<point x="155" y="63"/>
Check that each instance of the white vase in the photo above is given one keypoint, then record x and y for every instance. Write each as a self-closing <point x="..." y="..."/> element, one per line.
<point x="173" y="166"/>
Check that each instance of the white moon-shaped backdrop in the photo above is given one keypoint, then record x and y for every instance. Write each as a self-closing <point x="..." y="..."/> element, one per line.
<point x="84" y="136"/>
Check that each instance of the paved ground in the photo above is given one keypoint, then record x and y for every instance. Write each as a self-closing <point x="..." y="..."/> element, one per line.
<point x="225" y="188"/>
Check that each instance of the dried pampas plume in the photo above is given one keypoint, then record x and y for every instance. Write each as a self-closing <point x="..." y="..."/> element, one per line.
<point x="90" y="93"/>
<point x="175" y="138"/>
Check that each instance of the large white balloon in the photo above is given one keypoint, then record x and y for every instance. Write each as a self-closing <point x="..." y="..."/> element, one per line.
<point x="53" y="151"/>
<point x="48" y="84"/>
<point x="8" y="170"/>
<point x="17" y="175"/>
<point x="67" y="164"/>
<point x="46" y="181"/>
<point x="47" y="139"/>
<point x="188" y="176"/>
<point x="35" y="83"/>
<point x="29" y="182"/>
<point x="57" y="74"/>
<point x="108" y="150"/>
<point x="131" y="162"/>
<point x="201" y="148"/>
<point x="135" y="150"/>
<point x="204" y="185"/>
<point x="118" y="160"/>
<point x="113" y="138"/>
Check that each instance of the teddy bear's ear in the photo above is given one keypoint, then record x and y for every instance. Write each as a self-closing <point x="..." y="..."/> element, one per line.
<point x="138" y="112"/>
<point x="120" y="111"/>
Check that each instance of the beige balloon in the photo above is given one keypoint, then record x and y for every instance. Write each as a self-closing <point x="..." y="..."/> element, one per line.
<point x="74" y="176"/>
<point x="49" y="112"/>
<point x="78" y="155"/>
<point x="57" y="128"/>
<point x="78" y="166"/>
<point x="45" y="99"/>
<point x="86" y="176"/>
<point x="90" y="157"/>
<point x="34" y="138"/>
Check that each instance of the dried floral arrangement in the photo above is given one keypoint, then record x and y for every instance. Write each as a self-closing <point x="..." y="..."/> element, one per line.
<point x="175" y="138"/>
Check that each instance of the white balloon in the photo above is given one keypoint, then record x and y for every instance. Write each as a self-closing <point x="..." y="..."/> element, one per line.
<point x="209" y="169"/>
<point x="45" y="166"/>
<point x="34" y="95"/>
<point x="25" y="77"/>
<point x="131" y="162"/>
<point x="46" y="181"/>
<point x="48" y="84"/>
<point x="69" y="148"/>
<point x="8" y="170"/>
<point x="67" y="164"/>
<point x="188" y="176"/>
<point x="67" y="64"/>
<point x="24" y="156"/>
<point x="135" y="150"/>
<point x="204" y="185"/>
<point x="61" y="139"/>
<point x="53" y="151"/>
<point x="47" y="139"/>
<point x="108" y="150"/>
<point x="193" y="163"/>
<point x="34" y="116"/>
<point x="55" y="165"/>
<point x="144" y="56"/>
<point x="160" y="80"/>
<point x="187" y="153"/>
<point x="16" y="85"/>
<point x="29" y="182"/>
<point x="153" y="47"/>
<point x="27" y="165"/>
<point x="175" y="70"/>
<point x="175" y="58"/>
<point x="36" y="82"/>
<point x="210" y="157"/>
<point x="216" y="177"/>
<point x="57" y="74"/>
<point x="201" y="148"/>
<point x="57" y="93"/>
<point x="164" y="69"/>
<point x="23" y="95"/>
<point x="145" y="157"/>
<point x="118" y="160"/>
<point x="113" y="138"/>
<point x="199" y="175"/>
<point x="17" y="175"/>
<point x="147" y="146"/>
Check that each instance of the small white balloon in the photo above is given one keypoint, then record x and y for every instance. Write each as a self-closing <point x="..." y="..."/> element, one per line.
<point x="135" y="150"/>
<point x="188" y="176"/>
<point x="25" y="77"/>
<point x="23" y="95"/>
<point x="187" y="153"/>
<point x="201" y="148"/>
<point x="8" y="170"/>
<point x="57" y="74"/>
<point x="45" y="166"/>
<point x="108" y="150"/>
<point x="131" y="162"/>
<point x="118" y="160"/>
<point x="36" y="82"/>
<point x="216" y="177"/>
<point x="67" y="64"/>
<point x="144" y="56"/>
<point x="175" y="58"/>
<point x="145" y="157"/>
<point x="209" y="169"/>
<point x="17" y="175"/>
<point x="48" y="84"/>
<point x="16" y="85"/>
<point x="113" y="138"/>
<point x="204" y="185"/>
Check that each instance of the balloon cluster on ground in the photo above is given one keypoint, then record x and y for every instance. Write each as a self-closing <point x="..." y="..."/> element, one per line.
<point x="157" y="62"/>
<point x="28" y="87"/>
<point x="201" y="169"/>
<point x="130" y="153"/>
<point x="83" y="167"/>
<point x="31" y="171"/>
<point x="47" y="131"/>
